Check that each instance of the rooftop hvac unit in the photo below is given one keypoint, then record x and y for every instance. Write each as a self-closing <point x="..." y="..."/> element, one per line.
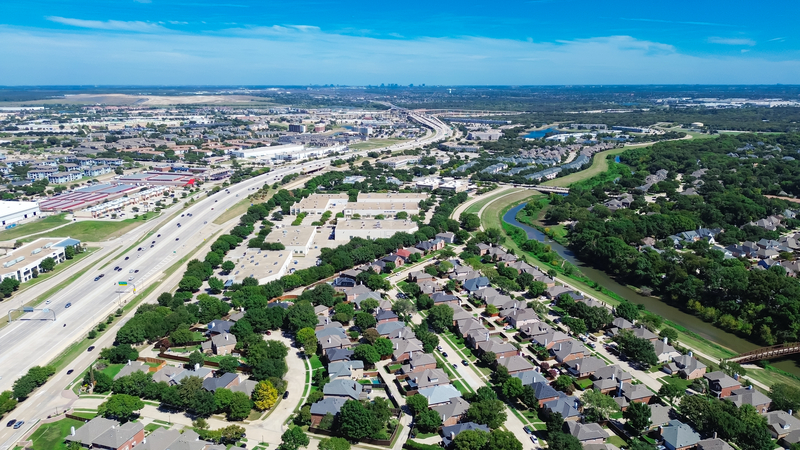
<point x="38" y="250"/>
<point x="48" y="245"/>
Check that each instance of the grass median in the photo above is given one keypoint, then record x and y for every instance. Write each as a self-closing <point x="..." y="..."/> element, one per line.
<point x="38" y="226"/>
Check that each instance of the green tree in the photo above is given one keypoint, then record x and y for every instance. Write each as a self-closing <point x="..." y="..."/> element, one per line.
<point x="181" y="336"/>
<point x="627" y="311"/>
<point x="333" y="443"/>
<point x="47" y="264"/>
<point x="355" y="422"/>
<point x="239" y="407"/>
<point x="638" y="416"/>
<point x="670" y="392"/>
<point x="528" y="397"/>
<point x="471" y="440"/>
<point x="364" y="320"/>
<point x="417" y="403"/>
<point x="369" y="305"/>
<point x="440" y="317"/>
<point x="512" y="388"/>
<point x="366" y="353"/>
<point x="228" y="266"/>
<point x="216" y="285"/>
<point x="503" y="440"/>
<point x="308" y="339"/>
<point x="301" y="315"/>
<point x="564" y="383"/>
<point x="69" y="252"/>
<point x="563" y="441"/>
<point x="228" y="364"/>
<point x="785" y="397"/>
<point x="601" y="405"/>
<point x="196" y="358"/>
<point x="670" y="333"/>
<point x="470" y="221"/>
<point x="190" y="283"/>
<point x="428" y="421"/>
<point x="383" y="346"/>
<point x="488" y="412"/>
<point x="120" y="406"/>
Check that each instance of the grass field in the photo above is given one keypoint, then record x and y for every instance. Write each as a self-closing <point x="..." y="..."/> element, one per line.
<point x="475" y="207"/>
<point x="491" y="215"/>
<point x="599" y="165"/>
<point x="375" y="143"/>
<point x="50" y="436"/>
<point x="94" y="230"/>
<point x="237" y="210"/>
<point x="38" y="226"/>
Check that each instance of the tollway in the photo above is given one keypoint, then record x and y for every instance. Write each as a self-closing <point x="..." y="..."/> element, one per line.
<point x="34" y="340"/>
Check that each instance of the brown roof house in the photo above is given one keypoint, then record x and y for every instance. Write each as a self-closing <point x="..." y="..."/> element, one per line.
<point x="543" y="334"/>
<point x="518" y="318"/>
<point x="569" y="350"/>
<point x="585" y="367"/>
<point x="453" y="411"/>
<point x="606" y="379"/>
<point x="687" y="366"/>
<point x="427" y="378"/>
<point x="419" y="362"/>
<point x="515" y="364"/>
<point x="587" y="433"/>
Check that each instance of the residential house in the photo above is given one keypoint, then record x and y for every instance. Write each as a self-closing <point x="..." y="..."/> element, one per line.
<point x="328" y="405"/>
<point x="566" y="406"/>
<point x="108" y="434"/>
<point x="440" y="298"/>
<point x="447" y="237"/>
<point x="464" y="326"/>
<point x="449" y="433"/>
<point x="226" y="380"/>
<point x="404" y="349"/>
<point x="515" y="364"/>
<point x="722" y="385"/>
<point x="346" y="369"/>
<point x="474" y="284"/>
<point x="395" y="259"/>
<point x="334" y="342"/>
<point x="343" y="388"/>
<point x="427" y="378"/>
<point x="339" y="354"/>
<point x="218" y="326"/>
<point x="530" y="377"/>
<point x="483" y="249"/>
<point x="518" y="318"/>
<point x="713" y="444"/>
<point x="197" y="371"/>
<point x="439" y="395"/>
<point x="498" y="347"/>
<point x="402" y="332"/>
<point x="453" y="411"/>
<point x="385" y="315"/>
<point x="545" y="393"/>
<point x="355" y="291"/>
<point x="781" y="423"/>
<point x="584" y="367"/>
<point x="629" y="393"/>
<point x="220" y="344"/>
<point x="679" y="436"/>
<point x="541" y="333"/>
<point x="660" y="415"/>
<point x="687" y="366"/>
<point x="664" y="351"/>
<point x="618" y="324"/>
<point x="587" y="433"/>
<point x="643" y="333"/>
<point x="419" y="275"/>
<point x="553" y="292"/>
<point x="569" y="350"/>
<point x="606" y="379"/>
<point x="419" y="363"/>
<point x="131" y="367"/>
<point x="752" y="397"/>
<point x="368" y="295"/>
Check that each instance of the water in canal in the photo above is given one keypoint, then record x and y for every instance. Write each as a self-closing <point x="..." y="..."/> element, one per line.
<point x="652" y="304"/>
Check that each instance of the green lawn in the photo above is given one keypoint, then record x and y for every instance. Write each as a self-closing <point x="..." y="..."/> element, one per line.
<point x="237" y="210"/>
<point x="50" y="436"/>
<point x="616" y="440"/>
<point x="113" y="369"/>
<point x="475" y="207"/>
<point x="599" y="165"/>
<point x="94" y="230"/>
<point x="315" y="363"/>
<point x="38" y="226"/>
<point x="676" y="381"/>
<point x="375" y="143"/>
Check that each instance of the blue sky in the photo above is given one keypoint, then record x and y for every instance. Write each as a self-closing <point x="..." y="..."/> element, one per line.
<point x="254" y="42"/>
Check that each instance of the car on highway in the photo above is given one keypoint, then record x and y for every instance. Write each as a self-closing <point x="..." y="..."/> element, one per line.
<point x="127" y="258"/>
<point x="136" y="271"/>
<point x="139" y="249"/>
<point x="152" y="246"/>
<point x="464" y="362"/>
<point x="130" y="278"/>
<point x="183" y="215"/>
<point x="534" y="439"/>
<point x="177" y="239"/>
<point x="158" y="236"/>
<point x="91" y="347"/>
<point x="130" y="271"/>
<point x="69" y="372"/>
<point x="11" y="422"/>
<point x="154" y="241"/>
<point x="455" y="366"/>
<point x="19" y="424"/>
<point x="67" y="305"/>
<point x="47" y="302"/>
<point x="444" y="354"/>
<point x="96" y="278"/>
<point x="102" y="275"/>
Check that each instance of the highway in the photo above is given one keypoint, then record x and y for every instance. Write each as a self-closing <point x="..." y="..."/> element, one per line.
<point x="36" y="339"/>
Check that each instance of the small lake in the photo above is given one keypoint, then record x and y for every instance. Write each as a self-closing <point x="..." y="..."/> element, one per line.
<point x="652" y="304"/>
<point x="538" y="134"/>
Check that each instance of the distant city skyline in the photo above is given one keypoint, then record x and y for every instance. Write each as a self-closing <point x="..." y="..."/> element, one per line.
<point x="534" y="42"/>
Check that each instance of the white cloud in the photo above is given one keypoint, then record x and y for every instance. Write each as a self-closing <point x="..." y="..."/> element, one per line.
<point x="306" y="55"/>
<point x="114" y="25"/>
<point x="732" y="41"/>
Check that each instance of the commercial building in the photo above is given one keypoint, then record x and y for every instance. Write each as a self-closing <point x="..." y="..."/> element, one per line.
<point x="263" y="265"/>
<point x="269" y="152"/>
<point x="391" y="197"/>
<point x="319" y="203"/>
<point x="13" y="212"/>
<point x="156" y="178"/>
<point x="371" y="209"/>
<point x="19" y="263"/>
<point x="296" y="239"/>
<point x="398" y="162"/>
<point x="86" y="197"/>
<point x="372" y="229"/>
<point x="297" y="128"/>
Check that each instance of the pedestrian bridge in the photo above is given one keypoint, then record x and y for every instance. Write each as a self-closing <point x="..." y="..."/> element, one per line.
<point x="776" y="351"/>
<point x="556" y="189"/>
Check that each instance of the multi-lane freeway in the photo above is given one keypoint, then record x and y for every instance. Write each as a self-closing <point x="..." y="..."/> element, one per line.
<point x="36" y="339"/>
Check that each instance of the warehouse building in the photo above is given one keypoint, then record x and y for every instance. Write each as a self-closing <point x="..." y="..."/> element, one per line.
<point x="318" y="203"/>
<point x="297" y="240"/>
<point x="19" y="263"/>
<point x="15" y="212"/>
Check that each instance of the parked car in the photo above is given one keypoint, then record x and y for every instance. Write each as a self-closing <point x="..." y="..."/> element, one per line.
<point x="439" y="347"/>
<point x="534" y="439"/>
<point x="527" y="430"/>
<point x="286" y="394"/>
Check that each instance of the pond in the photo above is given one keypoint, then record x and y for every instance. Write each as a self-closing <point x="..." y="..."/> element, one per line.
<point x="538" y="134"/>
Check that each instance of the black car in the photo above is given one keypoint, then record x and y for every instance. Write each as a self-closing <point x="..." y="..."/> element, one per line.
<point x="286" y="394"/>
<point x="158" y="236"/>
<point x="444" y="354"/>
<point x="139" y="249"/>
<point x="101" y="275"/>
<point x="11" y="422"/>
<point x="127" y="258"/>
<point x="69" y="372"/>
<point x="464" y="362"/>
<point x="90" y="348"/>
<point x="177" y="239"/>
<point x="136" y="271"/>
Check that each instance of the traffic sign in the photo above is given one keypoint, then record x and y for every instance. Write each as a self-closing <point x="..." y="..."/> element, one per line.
<point x="123" y="283"/>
